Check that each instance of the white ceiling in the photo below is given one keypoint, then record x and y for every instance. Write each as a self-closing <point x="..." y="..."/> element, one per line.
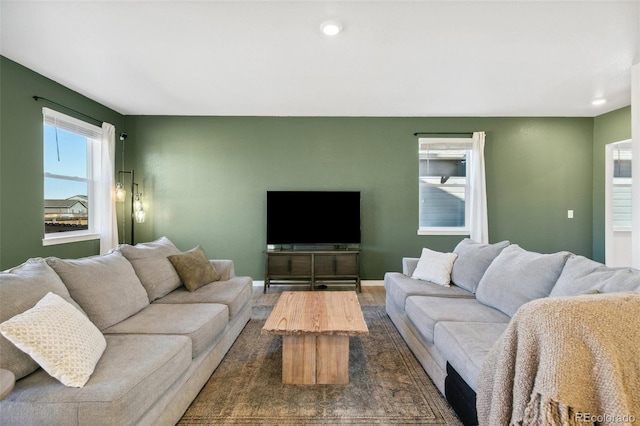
<point x="394" y="58"/>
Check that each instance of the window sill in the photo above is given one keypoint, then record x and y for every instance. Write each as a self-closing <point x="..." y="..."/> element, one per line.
<point x="443" y="232"/>
<point x="55" y="240"/>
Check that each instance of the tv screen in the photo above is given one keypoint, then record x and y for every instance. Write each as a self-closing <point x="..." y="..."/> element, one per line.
<point x="313" y="217"/>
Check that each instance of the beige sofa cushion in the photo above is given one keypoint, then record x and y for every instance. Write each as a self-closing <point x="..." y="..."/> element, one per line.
<point x="235" y="293"/>
<point x="133" y="374"/>
<point x="473" y="260"/>
<point x="203" y="323"/>
<point x="581" y="275"/>
<point x="20" y="289"/>
<point x="106" y="287"/>
<point x="399" y="286"/>
<point x="465" y="345"/>
<point x="517" y="276"/>
<point x="425" y="312"/>
<point x="149" y="260"/>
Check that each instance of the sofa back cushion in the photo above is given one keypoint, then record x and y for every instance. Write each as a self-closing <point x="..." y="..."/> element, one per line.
<point x="473" y="260"/>
<point x="152" y="266"/>
<point x="581" y="275"/>
<point x="106" y="287"/>
<point x="20" y="289"/>
<point x="518" y="276"/>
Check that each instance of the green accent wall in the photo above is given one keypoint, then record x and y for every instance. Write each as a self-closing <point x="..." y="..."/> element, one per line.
<point x="607" y="128"/>
<point x="205" y="179"/>
<point x="21" y="175"/>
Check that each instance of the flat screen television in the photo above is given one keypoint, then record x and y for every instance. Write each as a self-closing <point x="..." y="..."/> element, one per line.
<point x="313" y="217"/>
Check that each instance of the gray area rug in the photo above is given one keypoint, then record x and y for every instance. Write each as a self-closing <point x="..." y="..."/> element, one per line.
<point x="387" y="384"/>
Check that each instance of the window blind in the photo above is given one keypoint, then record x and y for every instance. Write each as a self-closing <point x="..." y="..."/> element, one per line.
<point x="65" y="122"/>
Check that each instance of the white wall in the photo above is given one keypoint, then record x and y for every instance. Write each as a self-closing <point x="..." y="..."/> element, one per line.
<point x="635" y="135"/>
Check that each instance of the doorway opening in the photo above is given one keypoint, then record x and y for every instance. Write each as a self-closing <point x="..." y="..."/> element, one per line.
<point x="618" y="215"/>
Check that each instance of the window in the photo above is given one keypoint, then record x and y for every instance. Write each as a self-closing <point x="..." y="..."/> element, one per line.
<point x="451" y="182"/>
<point x="444" y="187"/>
<point x="622" y="186"/>
<point x="71" y="148"/>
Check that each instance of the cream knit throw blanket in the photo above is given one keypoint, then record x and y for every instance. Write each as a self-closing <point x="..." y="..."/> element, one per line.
<point x="565" y="361"/>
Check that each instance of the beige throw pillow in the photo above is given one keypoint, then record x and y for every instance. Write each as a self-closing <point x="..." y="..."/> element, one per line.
<point x="194" y="268"/>
<point x="59" y="338"/>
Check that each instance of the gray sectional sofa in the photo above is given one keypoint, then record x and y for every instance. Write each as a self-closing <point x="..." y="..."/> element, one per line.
<point x="451" y="329"/>
<point x="163" y="341"/>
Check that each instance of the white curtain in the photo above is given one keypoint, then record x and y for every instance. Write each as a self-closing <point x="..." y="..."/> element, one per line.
<point x="479" y="229"/>
<point x="105" y="197"/>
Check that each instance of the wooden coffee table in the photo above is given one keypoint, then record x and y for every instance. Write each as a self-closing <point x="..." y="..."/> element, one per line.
<point x="316" y="326"/>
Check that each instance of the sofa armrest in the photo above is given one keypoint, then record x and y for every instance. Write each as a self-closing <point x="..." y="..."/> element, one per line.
<point x="409" y="265"/>
<point x="7" y="381"/>
<point x="224" y="267"/>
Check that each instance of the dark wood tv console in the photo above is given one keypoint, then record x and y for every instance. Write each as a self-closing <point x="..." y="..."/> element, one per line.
<point x="311" y="267"/>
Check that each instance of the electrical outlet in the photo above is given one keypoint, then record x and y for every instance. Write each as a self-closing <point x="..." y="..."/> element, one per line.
<point x="569" y="214"/>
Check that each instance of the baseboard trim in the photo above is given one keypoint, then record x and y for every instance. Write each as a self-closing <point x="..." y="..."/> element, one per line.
<point x="363" y="283"/>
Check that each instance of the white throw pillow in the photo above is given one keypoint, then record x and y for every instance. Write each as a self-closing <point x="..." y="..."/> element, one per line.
<point x="435" y="266"/>
<point x="59" y="338"/>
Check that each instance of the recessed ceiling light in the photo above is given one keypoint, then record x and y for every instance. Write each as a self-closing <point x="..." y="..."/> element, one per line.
<point x="330" y="28"/>
<point x="600" y="101"/>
